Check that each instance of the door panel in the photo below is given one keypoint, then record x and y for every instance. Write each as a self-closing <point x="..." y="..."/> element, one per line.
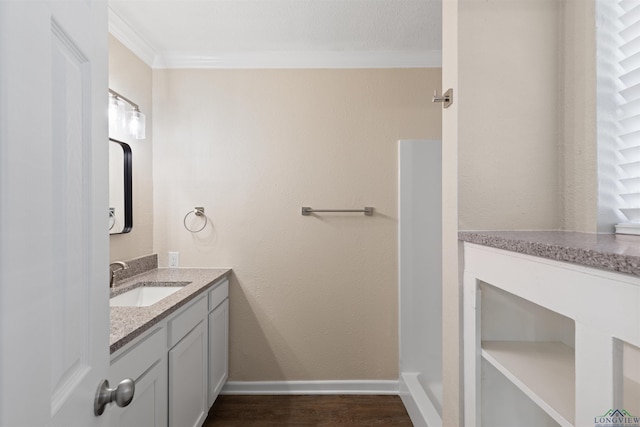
<point x="188" y="379"/>
<point x="69" y="352"/>
<point x="54" y="318"/>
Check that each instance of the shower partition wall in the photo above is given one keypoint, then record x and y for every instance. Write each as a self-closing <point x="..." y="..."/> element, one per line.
<point x="420" y="279"/>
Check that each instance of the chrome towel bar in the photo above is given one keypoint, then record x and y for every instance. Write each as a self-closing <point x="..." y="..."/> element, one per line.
<point x="306" y="210"/>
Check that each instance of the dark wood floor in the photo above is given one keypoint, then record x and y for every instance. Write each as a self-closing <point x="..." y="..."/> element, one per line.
<point x="333" y="410"/>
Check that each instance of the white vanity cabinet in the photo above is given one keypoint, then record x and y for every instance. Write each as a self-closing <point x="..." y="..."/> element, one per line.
<point x="145" y="362"/>
<point x="188" y="402"/>
<point x="546" y="342"/>
<point x="179" y="365"/>
<point x="218" y="339"/>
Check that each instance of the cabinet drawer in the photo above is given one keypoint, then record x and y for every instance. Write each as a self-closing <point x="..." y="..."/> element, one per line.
<point x="218" y="294"/>
<point x="140" y="357"/>
<point x="187" y="320"/>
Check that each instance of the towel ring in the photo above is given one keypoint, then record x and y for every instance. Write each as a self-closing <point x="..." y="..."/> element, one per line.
<point x="198" y="211"/>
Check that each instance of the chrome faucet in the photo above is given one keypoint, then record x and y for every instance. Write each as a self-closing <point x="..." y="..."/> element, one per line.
<point x="123" y="266"/>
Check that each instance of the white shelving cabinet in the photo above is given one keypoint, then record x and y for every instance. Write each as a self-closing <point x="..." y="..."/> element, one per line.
<point x="544" y="336"/>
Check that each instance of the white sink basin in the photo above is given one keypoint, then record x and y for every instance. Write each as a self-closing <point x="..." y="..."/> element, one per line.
<point x="143" y="296"/>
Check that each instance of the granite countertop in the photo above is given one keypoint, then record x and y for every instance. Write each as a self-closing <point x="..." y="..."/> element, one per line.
<point x="129" y="322"/>
<point x="613" y="252"/>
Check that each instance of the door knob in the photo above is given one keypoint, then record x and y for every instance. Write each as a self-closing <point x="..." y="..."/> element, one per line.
<point x="122" y="395"/>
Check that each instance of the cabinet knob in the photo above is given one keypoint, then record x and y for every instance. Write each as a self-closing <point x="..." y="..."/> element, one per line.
<point x="122" y="395"/>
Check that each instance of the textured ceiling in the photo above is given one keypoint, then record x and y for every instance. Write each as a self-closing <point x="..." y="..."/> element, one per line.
<point x="299" y="31"/>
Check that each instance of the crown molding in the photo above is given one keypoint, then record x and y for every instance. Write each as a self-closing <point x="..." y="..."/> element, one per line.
<point x="303" y="59"/>
<point x="120" y="29"/>
<point x="144" y="50"/>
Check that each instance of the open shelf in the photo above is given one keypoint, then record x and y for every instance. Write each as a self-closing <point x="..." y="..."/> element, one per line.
<point x="631" y="395"/>
<point x="543" y="370"/>
<point x="631" y="378"/>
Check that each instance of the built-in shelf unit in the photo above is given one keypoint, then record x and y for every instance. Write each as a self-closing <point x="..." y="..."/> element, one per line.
<point x="547" y="343"/>
<point x="532" y="347"/>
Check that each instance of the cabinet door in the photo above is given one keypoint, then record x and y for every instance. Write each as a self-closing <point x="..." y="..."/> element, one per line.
<point x="188" y="379"/>
<point x="218" y="349"/>
<point x="143" y="360"/>
<point x="149" y="405"/>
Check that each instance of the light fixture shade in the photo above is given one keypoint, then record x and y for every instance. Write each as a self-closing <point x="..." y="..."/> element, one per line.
<point x="137" y="124"/>
<point x="117" y="116"/>
<point x="125" y="117"/>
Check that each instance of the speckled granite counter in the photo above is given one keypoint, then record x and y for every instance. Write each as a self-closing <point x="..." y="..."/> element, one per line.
<point x="619" y="253"/>
<point x="129" y="322"/>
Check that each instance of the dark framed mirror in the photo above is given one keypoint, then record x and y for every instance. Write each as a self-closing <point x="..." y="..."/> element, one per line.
<point x="120" y="187"/>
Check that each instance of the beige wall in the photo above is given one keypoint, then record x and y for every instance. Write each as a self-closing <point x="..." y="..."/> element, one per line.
<point x="131" y="77"/>
<point x="313" y="298"/>
<point x="509" y="114"/>
<point x="528" y="154"/>
<point x="577" y="99"/>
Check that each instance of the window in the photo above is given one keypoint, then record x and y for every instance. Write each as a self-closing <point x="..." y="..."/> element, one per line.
<point x="629" y="114"/>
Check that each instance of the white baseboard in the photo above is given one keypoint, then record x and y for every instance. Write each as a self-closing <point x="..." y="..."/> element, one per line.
<point x="417" y="402"/>
<point x="311" y="387"/>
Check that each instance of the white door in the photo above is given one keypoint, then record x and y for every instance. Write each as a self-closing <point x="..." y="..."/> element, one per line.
<point x="54" y="318"/>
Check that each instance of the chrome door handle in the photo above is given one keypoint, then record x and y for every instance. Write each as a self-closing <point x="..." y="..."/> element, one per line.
<point x="122" y="395"/>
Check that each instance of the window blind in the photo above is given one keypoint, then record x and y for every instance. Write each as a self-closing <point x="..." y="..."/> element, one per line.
<point x="629" y="114"/>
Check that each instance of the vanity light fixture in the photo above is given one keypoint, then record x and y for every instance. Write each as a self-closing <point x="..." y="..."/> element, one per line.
<point x="125" y="116"/>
